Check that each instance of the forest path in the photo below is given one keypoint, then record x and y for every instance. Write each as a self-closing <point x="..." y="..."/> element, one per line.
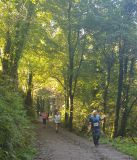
<point x="68" y="146"/>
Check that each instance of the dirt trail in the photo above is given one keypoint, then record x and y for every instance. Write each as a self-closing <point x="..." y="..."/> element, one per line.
<point x="68" y="146"/>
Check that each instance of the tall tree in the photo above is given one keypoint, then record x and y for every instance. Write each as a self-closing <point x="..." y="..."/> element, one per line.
<point x="16" y="35"/>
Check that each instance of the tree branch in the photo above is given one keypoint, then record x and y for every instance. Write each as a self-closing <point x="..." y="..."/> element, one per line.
<point x="59" y="82"/>
<point x="78" y="70"/>
<point x="132" y="105"/>
<point x="77" y="39"/>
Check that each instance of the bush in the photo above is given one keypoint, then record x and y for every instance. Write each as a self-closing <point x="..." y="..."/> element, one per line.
<point x="16" y="136"/>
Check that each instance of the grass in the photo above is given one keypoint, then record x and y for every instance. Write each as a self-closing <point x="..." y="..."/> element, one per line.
<point x="124" y="145"/>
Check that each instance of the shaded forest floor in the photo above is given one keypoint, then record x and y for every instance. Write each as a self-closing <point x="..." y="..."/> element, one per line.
<point x="68" y="146"/>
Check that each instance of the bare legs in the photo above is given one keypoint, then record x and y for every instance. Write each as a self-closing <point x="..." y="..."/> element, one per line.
<point x="57" y="127"/>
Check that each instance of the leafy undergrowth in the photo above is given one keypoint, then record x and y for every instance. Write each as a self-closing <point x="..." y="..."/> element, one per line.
<point x="124" y="145"/>
<point x="16" y="133"/>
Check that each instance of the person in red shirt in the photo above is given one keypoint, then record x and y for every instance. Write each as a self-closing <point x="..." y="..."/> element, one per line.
<point x="44" y="118"/>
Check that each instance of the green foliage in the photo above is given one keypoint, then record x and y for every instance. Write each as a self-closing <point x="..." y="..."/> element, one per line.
<point x="124" y="145"/>
<point x="15" y="130"/>
<point x="81" y="113"/>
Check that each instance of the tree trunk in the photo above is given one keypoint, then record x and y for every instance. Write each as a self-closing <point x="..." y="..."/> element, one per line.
<point x="105" y="97"/>
<point x="71" y="65"/>
<point x="38" y="106"/>
<point x="66" y="109"/>
<point x="6" y="58"/>
<point x="14" y="75"/>
<point x="28" y="100"/>
<point x="66" y="97"/>
<point x="125" y="114"/>
<point x="122" y="131"/>
<point x="72" y="48"/>
<point x="71" y="113"/>
<point x="12" y="56"/>
<point x="71" y="93"/>
<point x="119" y="95"/>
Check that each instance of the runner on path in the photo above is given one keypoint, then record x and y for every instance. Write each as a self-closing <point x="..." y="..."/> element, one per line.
<point x="94" y="121"/>
<point x="57" y="120"/>
<point x="44" y="118"/>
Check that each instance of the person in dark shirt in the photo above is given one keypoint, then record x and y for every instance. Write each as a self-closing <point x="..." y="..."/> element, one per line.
<point x="94" y="122"/>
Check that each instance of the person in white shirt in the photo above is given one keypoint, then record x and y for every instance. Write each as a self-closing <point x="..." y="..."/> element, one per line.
<point x="57" y="120"/>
